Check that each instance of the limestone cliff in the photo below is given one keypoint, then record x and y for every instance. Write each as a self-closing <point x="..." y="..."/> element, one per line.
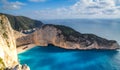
<point x="67" y="38"/>
<point x="7" y="43"/>
<point x="8" y="54"/>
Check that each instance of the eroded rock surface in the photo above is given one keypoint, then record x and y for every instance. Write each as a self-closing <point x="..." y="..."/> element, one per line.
<point x="7" y="43"/>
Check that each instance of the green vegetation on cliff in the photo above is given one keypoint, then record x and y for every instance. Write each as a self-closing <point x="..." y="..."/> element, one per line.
<point x="67" y="31"/>
<point x="22" y="23"/>
<point x="2" y="65"/>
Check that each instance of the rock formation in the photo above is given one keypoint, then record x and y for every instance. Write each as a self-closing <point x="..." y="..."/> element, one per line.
<point x="24" y="40"/>
<point x="8" y="54"/>
<point x="18" y="34"/>
<point x="66" y="37"/>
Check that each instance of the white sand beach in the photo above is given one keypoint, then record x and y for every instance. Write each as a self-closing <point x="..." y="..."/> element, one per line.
<point x="25" y="48"/>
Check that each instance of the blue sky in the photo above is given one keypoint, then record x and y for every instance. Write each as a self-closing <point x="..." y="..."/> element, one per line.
<point x="62" y="9"/>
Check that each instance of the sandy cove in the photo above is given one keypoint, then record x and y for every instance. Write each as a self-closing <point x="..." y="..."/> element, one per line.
<point x="25" y="48"/>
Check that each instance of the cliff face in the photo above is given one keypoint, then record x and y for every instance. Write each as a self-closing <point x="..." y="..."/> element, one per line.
<point x="7" y="43"/>
<point x="18" y="34"/>
<point x="8" y="54"/>
<point x="67" y="38"/>
<point x="24" y="40"/>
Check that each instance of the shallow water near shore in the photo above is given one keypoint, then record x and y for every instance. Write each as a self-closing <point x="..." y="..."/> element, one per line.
<point x="54" y="58"/>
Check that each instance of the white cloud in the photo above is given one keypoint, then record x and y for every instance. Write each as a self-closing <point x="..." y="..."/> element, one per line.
<point x="37" y="0"/>
<point x="95" y="7"/>
<point x="11" y="5"/>
<point x="84" y="9"/>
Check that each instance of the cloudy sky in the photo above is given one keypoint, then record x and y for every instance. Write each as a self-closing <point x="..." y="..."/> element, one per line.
<point x="62" y="9"/>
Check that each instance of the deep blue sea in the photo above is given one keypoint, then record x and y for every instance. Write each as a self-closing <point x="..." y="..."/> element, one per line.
<point x="54" y="58"/>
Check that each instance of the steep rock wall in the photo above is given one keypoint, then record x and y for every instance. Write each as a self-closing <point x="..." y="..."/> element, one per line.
<point x="7" y="43"/>
<point x="8" y="54"/>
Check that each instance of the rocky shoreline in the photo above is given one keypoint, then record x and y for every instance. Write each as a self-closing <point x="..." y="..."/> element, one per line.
<point x="18" y="67"/>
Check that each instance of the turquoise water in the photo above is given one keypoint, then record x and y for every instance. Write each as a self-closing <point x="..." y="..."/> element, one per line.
<point x="54" y="58"/>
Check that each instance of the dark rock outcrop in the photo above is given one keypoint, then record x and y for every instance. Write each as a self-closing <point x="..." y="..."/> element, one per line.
<point x="66" y="37"/>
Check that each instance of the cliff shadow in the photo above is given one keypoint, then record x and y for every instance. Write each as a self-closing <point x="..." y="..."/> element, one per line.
<point x="55" y="49"/>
